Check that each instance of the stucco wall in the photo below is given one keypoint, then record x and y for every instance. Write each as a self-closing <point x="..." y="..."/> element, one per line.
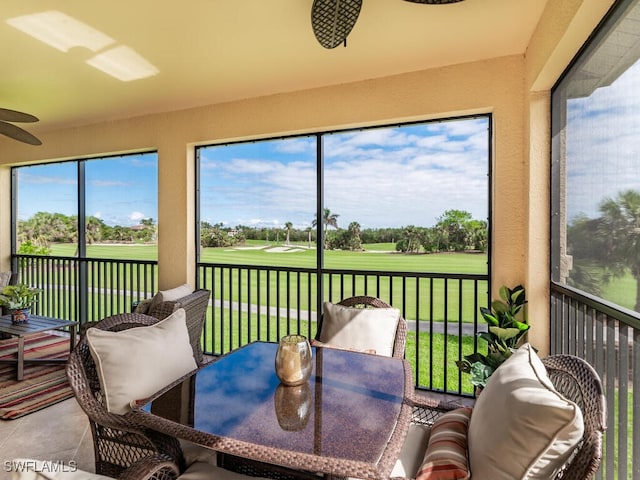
<point x="514" y="89"/>
<point x="494" y="86"/>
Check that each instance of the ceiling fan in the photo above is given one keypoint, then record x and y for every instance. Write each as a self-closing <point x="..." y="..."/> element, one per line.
<point x="332" y="20"/>
<point x="12" y="131"/>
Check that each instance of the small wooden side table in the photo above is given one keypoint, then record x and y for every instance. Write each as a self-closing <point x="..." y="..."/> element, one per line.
<point x="36" y="324"/>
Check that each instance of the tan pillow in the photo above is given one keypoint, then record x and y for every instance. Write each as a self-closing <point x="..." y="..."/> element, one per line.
<point x="170" y="295"/>
<point x="136" y="363"/>
<point x="521" y="427"/>
<point x="372" y="329"/>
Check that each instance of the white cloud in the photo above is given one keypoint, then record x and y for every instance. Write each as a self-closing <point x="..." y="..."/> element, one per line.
<point x="378" y="177"/>
<point x="136" y="216"/>
<point x="109" y="183"/>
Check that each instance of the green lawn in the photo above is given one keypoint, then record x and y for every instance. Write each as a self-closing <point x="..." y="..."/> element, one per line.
<point x="376" y="257"/>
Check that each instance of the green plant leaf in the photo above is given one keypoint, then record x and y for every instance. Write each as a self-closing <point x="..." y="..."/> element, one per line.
<point x="505" y="293"/>
<point x="480" y="373"/>
<point x="499" y="307"/>
<point x="504" y="333"/>
<point x="523" y="327"/>
<point x="488" y="316"/>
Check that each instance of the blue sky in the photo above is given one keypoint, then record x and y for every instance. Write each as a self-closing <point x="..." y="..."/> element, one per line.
<point x="604" y="125"/>
<point x="382" y="177"/>
<point x="120" y="190"/>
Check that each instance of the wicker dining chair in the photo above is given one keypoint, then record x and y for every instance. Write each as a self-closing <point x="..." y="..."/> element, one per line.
<point x="118" y="442"/>
<point x="195" y="307"/>
<point x="365" y="301"/>
<point x="576" y="380"/>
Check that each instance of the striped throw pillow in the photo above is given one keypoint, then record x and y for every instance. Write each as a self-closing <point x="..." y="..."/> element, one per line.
<point x="446" y="455"/>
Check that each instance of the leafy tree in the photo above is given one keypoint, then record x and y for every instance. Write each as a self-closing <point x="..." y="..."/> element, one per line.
<point x="478" y="235"/>
<point x="28" y="248"/>
<point x="619" y="232"/>
<point x="453" y="226"/>
<point x="347" y="239"/>
<point x="585" y="245"/>
<point x="410" y="240"/>
<point x="607" y="247"/>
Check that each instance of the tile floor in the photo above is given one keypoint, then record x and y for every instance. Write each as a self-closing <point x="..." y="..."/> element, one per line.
<point x="59" y="433"/>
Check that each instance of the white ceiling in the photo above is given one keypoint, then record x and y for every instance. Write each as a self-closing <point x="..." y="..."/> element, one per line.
<point x="211" y="51"/>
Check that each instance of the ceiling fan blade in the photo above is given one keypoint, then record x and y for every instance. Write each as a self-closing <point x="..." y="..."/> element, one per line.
<point x="332" y="20"/>
<point x="15" y="116"/>
<point x="17" y="133"/>
<point x="434" y="2"/>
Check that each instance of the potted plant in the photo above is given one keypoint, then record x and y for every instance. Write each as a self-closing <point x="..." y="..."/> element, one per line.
<point x="18" y="300"/>
<point x="507" y="326"/>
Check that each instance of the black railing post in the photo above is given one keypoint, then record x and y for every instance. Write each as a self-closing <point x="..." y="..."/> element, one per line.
<point x="319" y="225"/>
<point x="83" y="284"/>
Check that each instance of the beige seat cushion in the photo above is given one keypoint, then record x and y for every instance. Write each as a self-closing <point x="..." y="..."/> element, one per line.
<point x="365" y="329"/>
<point x="521" y="427"/>
<point x="415" y="444"/>
<point x="135" y="363"/>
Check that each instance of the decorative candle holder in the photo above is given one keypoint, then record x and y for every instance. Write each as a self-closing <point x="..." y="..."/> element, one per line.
<point x="293" y="360"/>
<point x="293" y="406"/>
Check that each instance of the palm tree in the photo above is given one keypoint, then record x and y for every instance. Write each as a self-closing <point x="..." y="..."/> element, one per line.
<point x="620" y="230"/>
<point x="309" y="230"/>
<point x="355" y="243"/>
<point x="288" y="226"/>
<point x="329" y="220"/>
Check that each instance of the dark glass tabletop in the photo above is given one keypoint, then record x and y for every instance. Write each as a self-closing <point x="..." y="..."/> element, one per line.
<point x="343" y="419"/>
<point x="347" y="409"/>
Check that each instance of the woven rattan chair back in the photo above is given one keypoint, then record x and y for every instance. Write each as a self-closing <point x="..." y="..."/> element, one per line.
<point x="195" y="307"/>
<point x="118" y="442"/>
<point x="373" y="302"/>
<point x="578" y="381"/>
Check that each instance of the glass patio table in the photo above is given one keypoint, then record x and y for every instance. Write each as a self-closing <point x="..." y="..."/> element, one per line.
<point x="349" y="420"/>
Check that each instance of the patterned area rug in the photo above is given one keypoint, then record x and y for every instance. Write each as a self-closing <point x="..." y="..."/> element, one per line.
<point x="42" y="385"/>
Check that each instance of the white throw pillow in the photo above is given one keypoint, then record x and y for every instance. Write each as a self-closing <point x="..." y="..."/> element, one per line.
<point x="170" y="295"/>
<point x="521" y="427"/>
<point x="136" y="363"/>
<point x="366" y="329"/>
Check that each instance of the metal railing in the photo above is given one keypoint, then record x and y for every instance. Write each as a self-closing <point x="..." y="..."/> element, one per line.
<point x="263" y="303"/>
<point x="86" y="289"/>
<point x="607" y="337"/>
